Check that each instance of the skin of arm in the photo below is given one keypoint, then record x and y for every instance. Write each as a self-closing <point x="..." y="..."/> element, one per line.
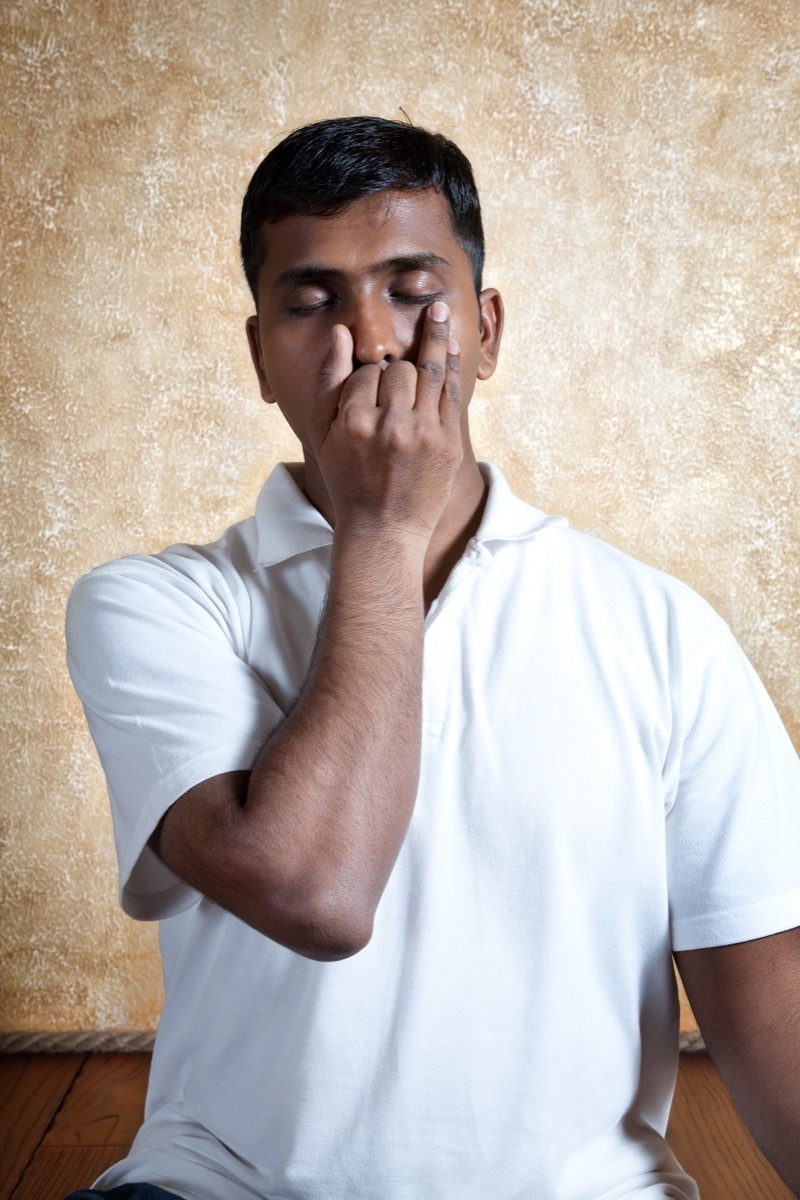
<point x="302" y="846"/>
<point x="746" y="998"/>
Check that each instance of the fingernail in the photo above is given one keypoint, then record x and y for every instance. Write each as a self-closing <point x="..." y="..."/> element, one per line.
<point x="439" y="310"/>
<point x="453" y="347"/>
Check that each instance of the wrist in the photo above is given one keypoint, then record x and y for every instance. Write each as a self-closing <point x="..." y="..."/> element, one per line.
<point x="377" y="578"/>
<point x="373" y="541"/>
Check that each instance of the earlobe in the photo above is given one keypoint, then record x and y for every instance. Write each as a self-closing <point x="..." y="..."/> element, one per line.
<point x="254" y="342"/>
<point x="492" y="316"/>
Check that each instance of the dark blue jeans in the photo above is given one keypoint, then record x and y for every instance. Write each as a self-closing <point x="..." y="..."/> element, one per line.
<point x="125" y="1191"/>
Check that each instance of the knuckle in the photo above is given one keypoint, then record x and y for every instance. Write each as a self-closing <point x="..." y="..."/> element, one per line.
<point x="452" y="393"/>
<point x="395" y="431"/>
<point x="428" y="436"/>
<point x="356" y="422"/>
<point x="390" y="420"/>
<point x="432" y="369"/>
<point x="398" y="382"/>
<point x="438" y="331"/>
<point x="395" y="440"/>
<point x="399" y="369"/>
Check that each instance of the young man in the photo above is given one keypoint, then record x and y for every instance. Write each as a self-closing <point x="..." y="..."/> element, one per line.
<point x="424" y="786"/>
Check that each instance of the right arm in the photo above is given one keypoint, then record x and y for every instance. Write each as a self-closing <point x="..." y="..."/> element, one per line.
<point x="301" y="847"/>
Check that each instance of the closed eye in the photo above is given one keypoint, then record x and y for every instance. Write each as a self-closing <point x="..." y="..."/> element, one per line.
<point x="310" y="299"/>
<point x="408" y="287"/>
<point x="324" y="300"/>
<point x="298" y="310"/>
<point x="413" y="298"/>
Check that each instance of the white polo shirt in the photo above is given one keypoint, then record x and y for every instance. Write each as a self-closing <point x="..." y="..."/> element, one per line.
<point x="603" y="780"/>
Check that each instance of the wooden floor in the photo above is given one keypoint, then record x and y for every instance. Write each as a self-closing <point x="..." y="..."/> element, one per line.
<point x="64" y="1118"/>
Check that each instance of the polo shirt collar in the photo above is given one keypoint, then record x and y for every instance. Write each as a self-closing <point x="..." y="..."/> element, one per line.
<point x="288" y="524"/>
<point x="506" y="518"/>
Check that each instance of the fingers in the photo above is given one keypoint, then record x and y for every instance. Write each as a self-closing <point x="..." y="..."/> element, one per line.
<point x="389" y="444"/>
<point x="337" y="364"/>
<point x="432" y="387"/>
<point x="336" y="368"/>
<point x="438" y="365"/>
<point x="450" y="400"/>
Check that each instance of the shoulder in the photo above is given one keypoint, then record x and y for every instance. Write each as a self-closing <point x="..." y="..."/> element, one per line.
<point x="629" y="581"/>
<point x="218" y="575"/>
<point x="191" y="570"/>
<point x="590" y="591"/>
<point x="118" y="607"/>
<point x="581" y="565"/>
<point x="610" y="596"/>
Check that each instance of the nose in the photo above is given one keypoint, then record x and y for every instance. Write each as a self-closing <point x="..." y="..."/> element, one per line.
<point x="372" y="326"/>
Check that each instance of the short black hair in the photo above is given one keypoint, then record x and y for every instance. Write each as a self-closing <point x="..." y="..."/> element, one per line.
<point x="320" y="169"/>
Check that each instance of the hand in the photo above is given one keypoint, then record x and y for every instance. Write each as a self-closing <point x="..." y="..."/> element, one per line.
<point x="387" y="440"/>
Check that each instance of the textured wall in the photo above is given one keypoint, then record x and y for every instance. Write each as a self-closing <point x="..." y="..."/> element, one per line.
<point x="640" y="165"/>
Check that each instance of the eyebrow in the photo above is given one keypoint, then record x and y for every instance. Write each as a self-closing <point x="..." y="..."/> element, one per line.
<point x="311" y="272"/>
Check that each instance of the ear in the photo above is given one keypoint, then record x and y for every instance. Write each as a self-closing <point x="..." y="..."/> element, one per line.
<point x="492" y="316"/>
<point x="254" y="342"/>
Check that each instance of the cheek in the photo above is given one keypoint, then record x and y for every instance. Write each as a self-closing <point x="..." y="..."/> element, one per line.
<point x="288" y="361"/>
<point x="408" y="331"/>
<point x="467" y="334"/>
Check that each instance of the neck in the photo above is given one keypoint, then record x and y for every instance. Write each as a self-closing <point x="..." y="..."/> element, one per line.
<point x="459" y="523"/>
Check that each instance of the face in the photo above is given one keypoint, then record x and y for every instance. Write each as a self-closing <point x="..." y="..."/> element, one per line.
<point x="375" y="267"/>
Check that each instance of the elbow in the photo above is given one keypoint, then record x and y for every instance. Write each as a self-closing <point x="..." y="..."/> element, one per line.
<point x="320" y="928"/>
<point x="331" y="945"/>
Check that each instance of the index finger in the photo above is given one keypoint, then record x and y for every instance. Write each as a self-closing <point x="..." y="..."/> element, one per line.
<point x="432" y="360"/>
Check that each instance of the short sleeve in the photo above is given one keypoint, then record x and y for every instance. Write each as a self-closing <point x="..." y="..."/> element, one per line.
<point x="170" y="700"/>
<point x="733" y="828"/>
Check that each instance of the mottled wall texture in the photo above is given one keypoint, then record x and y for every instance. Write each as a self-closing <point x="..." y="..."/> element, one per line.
<point x="640" y="166"/>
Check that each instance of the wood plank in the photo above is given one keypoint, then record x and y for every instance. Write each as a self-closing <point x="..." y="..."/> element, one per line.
<point x="101" y="1107"/>
<point x="711" y="1141"/>
<point x="55" y="1171"/>
<point x="32" y="1087"/>
<point x="105" y="1106"/>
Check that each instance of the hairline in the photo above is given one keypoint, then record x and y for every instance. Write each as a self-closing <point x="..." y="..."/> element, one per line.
<point x="335" y="210"/>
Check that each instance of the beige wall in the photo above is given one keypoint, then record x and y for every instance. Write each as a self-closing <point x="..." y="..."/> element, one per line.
<point x="640" y="166"/>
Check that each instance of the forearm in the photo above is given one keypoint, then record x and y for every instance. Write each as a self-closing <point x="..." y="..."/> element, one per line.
<point x="763" y="1077"/>
<point x="745" y="998"/>
<point x="331" y="794"/>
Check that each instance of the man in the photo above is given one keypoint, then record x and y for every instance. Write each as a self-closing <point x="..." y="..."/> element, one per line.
<point x="424" y="786"/>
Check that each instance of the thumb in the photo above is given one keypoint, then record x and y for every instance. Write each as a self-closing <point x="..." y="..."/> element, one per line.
<point x="336" y="367"/>
<point x="337" y="364"/>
